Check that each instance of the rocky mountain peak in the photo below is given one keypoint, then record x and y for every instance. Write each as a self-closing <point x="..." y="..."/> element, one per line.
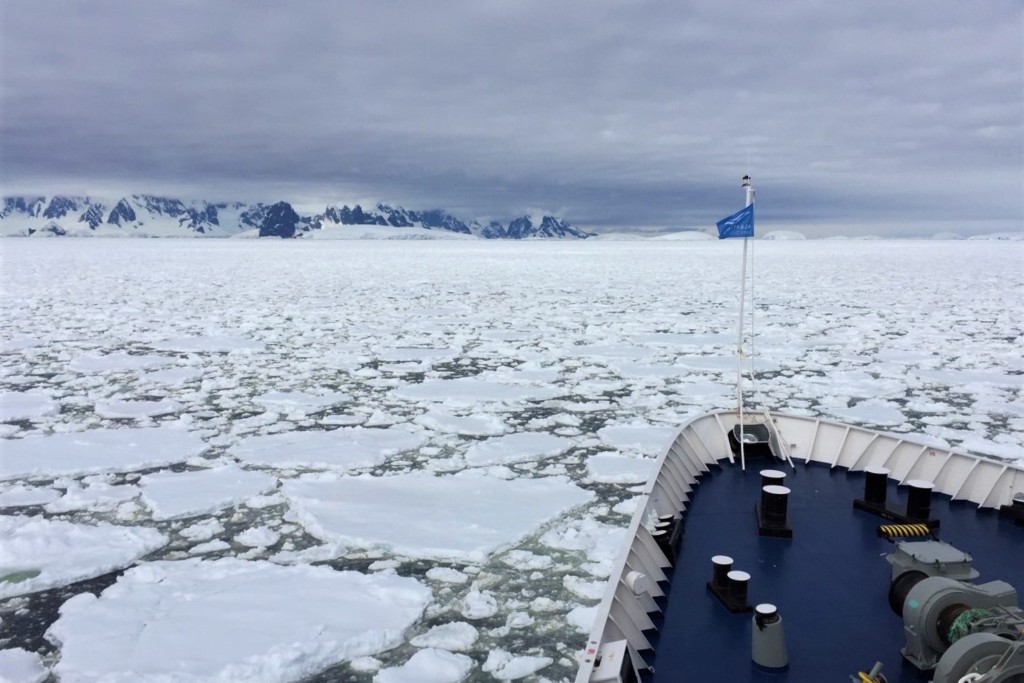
<point x="279" y="221"/>
<point x="122" y="213"/>
<point x="527" y="227"/>
<point x="60" y="207"/>
<point x="92" y="216"/>
<point x="31" y="206"/>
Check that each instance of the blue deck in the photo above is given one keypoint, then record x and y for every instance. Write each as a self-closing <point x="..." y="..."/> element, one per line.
<point x="830" y="581"/>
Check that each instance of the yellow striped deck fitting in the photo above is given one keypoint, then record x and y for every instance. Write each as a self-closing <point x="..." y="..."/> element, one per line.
<point x="903" y="530"/>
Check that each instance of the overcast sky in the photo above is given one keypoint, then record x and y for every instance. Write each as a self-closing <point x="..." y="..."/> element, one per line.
<point x="868" y="116"/>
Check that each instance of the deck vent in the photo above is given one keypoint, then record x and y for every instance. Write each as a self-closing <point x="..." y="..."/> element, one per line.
<point x="771" y="512"/>
<point x="768" y="641"/>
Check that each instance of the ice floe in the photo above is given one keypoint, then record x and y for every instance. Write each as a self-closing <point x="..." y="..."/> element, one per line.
<point x="518" y="447"/>
<point x="22" y="405"/>
<point x="1010" y="451"/>
<point x="468" y="425"/>
<point x="214" y="546"/>
<point x="611" y="468"/>
<point x="171" y="376"/>
<point x="871" y="412"/>
<point x="470" y="391"/>
<point x="479" y="605"/>
<point x="505" y="666"/>
<point x="121" y="408"/>
<point x="19" y="343"/>
<point x="21" y="666"/>
<point x="202" y="531"/>
<point x="525" y="560"/>
<point x="343" y="449"/>
<point x="20" y="495"/>
<point x="953" y="377"/>
<point x="212" y="343"/>
<point x="301" y="402"/>
<point x="645" y="438"/>
<point x="118" y="361"/>
<point x="584" y="588"/>
<point x="417" y="354"/>
<point x="258" y="537"/>
<point x="231" y="620"/>
<point x="97" y="450"/>
<point x="428" y="666"/>
<point x="456" y="635"/>
<point x="94" y="496"/>
<point x="599" y="541"/>
<point x="421" y="515"/>
<point x="37" y="554"/>
<point x="175" y="495"/>
<point x="626" y="507"/>
<point x="582" y="618"/>
<point x="446" y="575"/>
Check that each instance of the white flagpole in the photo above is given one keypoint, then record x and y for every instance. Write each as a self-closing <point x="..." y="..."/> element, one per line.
<point x="739" y="340"/>
<point x="739" y="357"/>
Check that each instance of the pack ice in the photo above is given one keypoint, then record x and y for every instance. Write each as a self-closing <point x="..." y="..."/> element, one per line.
<point x="231" y="620"/>
<point x="37" y="554"/>
<point x="97" y="450"/>
<point x="461" y="517"/>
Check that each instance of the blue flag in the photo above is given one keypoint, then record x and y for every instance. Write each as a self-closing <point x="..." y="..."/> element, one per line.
<point x="740" y="224"/>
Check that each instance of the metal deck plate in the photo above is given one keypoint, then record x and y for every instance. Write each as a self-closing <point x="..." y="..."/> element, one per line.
<point x="830" y="581"/>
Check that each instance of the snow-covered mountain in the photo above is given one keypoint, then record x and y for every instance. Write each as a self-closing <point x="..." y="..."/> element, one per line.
<point x="528" y="227"/>
<point x="151" y="216"/>
<point x="436" y="219"/>
<point x="387" y="215"/>
<point x="134" y="216"/>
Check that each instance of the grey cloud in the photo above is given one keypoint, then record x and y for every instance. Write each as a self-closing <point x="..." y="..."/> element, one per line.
<point x="618" y="113"/>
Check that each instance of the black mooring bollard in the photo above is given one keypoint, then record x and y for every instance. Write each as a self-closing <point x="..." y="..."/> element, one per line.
<point x="772" y="478"/>
<point x="919" y="499"/>
<point x="772" y="512"/>
<point x="876" y="480"/>
<point x="722" y="565"/>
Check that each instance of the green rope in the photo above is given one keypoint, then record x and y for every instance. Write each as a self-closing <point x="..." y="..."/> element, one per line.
<point x="962" y="624"/>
